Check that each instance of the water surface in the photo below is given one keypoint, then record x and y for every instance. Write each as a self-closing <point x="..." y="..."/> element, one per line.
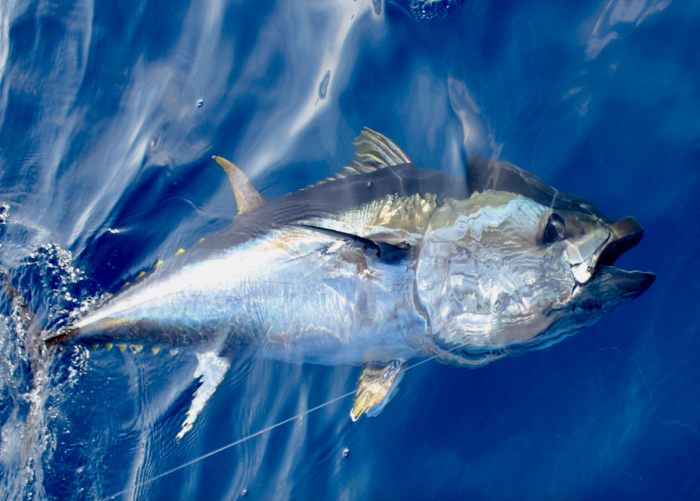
<point x="110" y="112"/>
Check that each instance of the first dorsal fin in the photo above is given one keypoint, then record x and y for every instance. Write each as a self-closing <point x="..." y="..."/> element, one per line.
<point x="247" y="197"/>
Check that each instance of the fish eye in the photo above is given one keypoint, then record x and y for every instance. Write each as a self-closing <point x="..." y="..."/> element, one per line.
<point x="555" y="228"/>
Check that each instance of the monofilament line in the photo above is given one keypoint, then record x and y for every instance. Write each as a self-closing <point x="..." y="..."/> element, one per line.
<point x="228" y="446"/>
<point x="257" y="433"/>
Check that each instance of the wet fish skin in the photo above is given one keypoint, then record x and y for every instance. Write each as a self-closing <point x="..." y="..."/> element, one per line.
<point x="308" y="297"/>
<point x="479" y="276"/>
<point x="485" y="265"/>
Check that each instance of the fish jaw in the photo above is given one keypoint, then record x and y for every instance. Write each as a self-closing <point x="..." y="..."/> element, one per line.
<point x="603" y="287"/>
<point x="609" y="286"/>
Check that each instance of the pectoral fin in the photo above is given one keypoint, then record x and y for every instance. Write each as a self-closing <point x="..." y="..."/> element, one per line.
<point x="388" y="253"/>
<point x="377" y="384"/>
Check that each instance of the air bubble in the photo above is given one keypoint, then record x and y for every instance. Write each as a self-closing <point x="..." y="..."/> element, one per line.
<point x="346" y="452"/>
<point x="200" y="103"/>
<point x="426" y="11"/>
<point x="323" y="87"/>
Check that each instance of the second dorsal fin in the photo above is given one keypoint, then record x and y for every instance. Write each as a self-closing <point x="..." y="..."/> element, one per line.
<point x="247" y="197"/>
<point x="375" y="151"/>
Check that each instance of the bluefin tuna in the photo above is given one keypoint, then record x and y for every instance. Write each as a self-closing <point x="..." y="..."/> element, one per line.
<point x="383" y="263"/>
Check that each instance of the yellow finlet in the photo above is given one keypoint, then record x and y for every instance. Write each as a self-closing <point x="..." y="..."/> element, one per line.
<point x="125" y="284"/>
<point x="122" y="347"/>
<point x="247" y="197"/>
<point x="201" y="240"/>
<point x="180" y="251"/>
<point x="108" y="346"/>
<point x="136" y="348"/>
<point x="141" y="275"/>
<point x="95" y="346"/>
<point x="155" y="350"/>
<point x="174" y="352"/>
<point x="158" y="263"/>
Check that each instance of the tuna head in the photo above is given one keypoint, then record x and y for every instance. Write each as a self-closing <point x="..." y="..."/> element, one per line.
<point x="502" y="272"/>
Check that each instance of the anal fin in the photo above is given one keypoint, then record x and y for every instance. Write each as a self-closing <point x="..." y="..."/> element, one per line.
<point x="377" y="384"/>
<point x="211" y="369"/>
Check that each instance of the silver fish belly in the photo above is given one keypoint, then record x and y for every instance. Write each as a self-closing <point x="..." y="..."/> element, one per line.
<point x="303" y="296"/>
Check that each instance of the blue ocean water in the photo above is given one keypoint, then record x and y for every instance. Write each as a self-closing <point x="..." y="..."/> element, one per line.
<point x="110" y="112"/>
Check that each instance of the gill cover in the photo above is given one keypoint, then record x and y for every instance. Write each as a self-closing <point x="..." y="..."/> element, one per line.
<point x="484" y="279"/>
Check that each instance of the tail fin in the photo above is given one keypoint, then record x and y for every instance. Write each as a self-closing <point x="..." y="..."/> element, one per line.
<point x="26" y="320"/>
<point x="26" y="313"/>
<point x="29" y="334"/>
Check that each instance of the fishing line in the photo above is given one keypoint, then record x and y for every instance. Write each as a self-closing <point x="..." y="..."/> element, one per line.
<point x="257" y="433"/>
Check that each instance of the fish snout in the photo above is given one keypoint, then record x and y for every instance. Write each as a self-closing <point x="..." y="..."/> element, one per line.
<point x="626" y="233"/>
<point x="626" y="226"/>
<point x="611" y="286"/>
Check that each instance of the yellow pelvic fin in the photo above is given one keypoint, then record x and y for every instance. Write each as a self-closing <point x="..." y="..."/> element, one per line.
<point x="247" y="197"/>
<point x="375" y="387"/>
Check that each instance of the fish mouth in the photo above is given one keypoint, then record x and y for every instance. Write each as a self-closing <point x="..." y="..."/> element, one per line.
<point x="626" y="233"/>
<point x="614" y="284"/>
